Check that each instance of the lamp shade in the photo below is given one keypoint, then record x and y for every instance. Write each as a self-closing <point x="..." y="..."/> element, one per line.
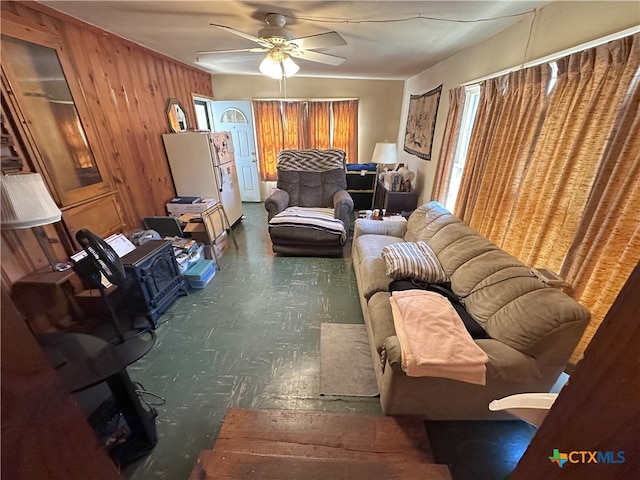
<point x="270" y="67"/>
<point x="385" y="153"/>
<point x="26" y="202"/>
<point x="290" y="67"/>
<point x="276" y="64"/>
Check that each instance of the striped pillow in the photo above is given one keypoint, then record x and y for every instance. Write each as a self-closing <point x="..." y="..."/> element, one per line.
<point x="413" y="260"/>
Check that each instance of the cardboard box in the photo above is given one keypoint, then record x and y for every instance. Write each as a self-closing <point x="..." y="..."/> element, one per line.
<point x="177" y="209"/>
<point x="220" y="247"/>
<point x="394" y="182"/>
<point x="205" y="227"/>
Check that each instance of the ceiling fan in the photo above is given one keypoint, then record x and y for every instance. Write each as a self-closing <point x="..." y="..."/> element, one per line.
<point x="280" y="45"/>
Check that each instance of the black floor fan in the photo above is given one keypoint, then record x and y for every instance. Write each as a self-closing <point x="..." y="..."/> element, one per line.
<point x="129" y="346"/>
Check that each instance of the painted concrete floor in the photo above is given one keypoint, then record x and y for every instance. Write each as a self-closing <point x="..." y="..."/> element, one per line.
<point x="249" y="339"/>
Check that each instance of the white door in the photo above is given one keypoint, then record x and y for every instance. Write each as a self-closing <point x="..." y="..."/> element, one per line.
<point x="236" y="117"/>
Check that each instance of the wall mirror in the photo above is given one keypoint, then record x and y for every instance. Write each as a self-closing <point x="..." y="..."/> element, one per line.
<point x="176" y="116"/>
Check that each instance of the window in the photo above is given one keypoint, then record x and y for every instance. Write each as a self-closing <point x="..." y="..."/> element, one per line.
<point x="233" y="115"/>
<point x="282" y="125"/>
<point x="468" y="117"/>
<point x="203" y="116"/>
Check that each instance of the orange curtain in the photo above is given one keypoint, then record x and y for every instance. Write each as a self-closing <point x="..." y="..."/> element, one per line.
<point x="560" y="190"/>
<point x="319" y="125"/>
<point x="270" y="137"/>
<point x="300" y="125"/>
<point x="345" y="128"/>
<point x="449" y="144"/>
<point x="294" y="123"/>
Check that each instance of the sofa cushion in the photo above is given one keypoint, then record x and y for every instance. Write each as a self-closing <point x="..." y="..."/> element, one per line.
<point x="520" y="311"/>
<point x="373" y="276"/>
<point x="312" y="189"/>
<point x="426" y="220"/>
<point x="413" y="260"/>
<point x="380" y="318"/>
<point x="370" y="246"/>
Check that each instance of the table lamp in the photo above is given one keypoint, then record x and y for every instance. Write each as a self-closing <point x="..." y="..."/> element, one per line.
<point x="385" y="154"/>
<point x="26" y="203"/>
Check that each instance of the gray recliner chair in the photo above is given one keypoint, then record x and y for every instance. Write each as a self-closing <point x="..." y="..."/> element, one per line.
<point x="310" y="211"/>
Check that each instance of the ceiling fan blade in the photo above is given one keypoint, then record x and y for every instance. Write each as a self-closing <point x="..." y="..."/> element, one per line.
<point x="259" y="41"/>
<point x="322" y="40"/>
<point x="253" y="50"/>
<point x="317" y="57"/>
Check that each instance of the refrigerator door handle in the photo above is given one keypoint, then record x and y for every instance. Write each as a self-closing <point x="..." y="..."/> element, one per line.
<point x="221" y="177"/>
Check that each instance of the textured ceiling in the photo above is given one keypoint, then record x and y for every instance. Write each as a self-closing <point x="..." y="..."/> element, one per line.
<point x="385" y="40"/>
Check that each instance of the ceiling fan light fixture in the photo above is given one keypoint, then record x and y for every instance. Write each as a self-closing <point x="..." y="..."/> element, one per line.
<point x="289" y="66"/>
<point x="270" y="67"/>
<point x="275" y="66"/>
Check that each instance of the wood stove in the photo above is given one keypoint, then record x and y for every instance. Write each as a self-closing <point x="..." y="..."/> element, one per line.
<point x="153" y="279"/>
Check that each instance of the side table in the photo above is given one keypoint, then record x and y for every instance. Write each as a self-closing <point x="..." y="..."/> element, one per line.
<point x="394" y="202"/>
<point x="44" y="285"/>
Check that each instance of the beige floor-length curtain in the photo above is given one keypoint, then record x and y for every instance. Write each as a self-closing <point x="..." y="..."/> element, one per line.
<point x="345" y="128"/>
<point x="269" y="134"/>
<point x="515" y="128"/>
<point x="449" y="144"/>
<point x="490" y="104"/>
<point x="573" y="204"/>
<point x="606" y="247"/>
<point x="319" y="125"/>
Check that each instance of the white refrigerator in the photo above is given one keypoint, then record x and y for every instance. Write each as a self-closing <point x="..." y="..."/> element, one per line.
<point x="203" y="165"/>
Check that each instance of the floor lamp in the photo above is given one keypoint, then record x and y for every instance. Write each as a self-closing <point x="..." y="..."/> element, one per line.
<point x="26" y="203"/>
<point x="383" y="154"/>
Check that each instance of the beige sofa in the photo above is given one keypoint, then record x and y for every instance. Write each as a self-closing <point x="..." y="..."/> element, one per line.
<point x="533" y="328"/>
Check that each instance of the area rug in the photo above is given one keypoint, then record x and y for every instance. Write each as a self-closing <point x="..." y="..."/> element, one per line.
<point x="345" y="361"/>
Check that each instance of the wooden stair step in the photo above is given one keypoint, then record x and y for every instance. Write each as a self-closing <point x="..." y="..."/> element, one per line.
<point x="217" y="465"/>
<point x="320" y="434"/>
<point x="294" y="444"/>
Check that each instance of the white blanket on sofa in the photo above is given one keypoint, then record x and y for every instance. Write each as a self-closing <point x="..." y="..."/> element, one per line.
<point x="433" y="339"/>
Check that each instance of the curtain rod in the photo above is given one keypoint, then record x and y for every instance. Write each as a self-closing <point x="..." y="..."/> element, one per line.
<point x="303" y="99"/>
<point x="555" y="56"/>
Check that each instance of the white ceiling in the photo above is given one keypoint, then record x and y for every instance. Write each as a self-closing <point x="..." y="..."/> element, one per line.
<point x="379" y="44"/>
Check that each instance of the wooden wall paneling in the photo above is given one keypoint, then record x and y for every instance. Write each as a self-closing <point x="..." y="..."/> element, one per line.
<point x="185" y="93"/>
<point x="110" y="95"/>
<point x="29" y="20"/>
<point x="158" y="126"/>
<point x="102" y="216"/>
<point x="160" y="186"/>
<point x="21" y="253"/>
<point x="110" y="71"/>
<point x="131" y="119"/>
<point x="129" y="174"/>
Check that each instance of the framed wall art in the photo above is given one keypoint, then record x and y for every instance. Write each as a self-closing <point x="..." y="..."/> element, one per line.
<point x="421" y="123"/>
